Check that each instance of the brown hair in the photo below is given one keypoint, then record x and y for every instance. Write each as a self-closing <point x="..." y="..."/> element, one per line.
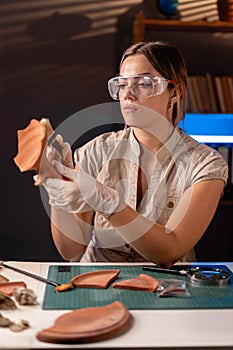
<point x="169" y="62"/>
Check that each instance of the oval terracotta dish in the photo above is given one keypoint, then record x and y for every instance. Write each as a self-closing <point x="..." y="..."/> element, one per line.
<point x="31" y="142"/>
<point x="88" y="325"/>
<point x="95" y="279"/>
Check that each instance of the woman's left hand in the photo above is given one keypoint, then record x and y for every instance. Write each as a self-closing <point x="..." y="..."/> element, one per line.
<point x="80" y="192"/>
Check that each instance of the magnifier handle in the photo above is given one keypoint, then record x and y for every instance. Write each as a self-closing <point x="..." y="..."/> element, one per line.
<point x="164" y="270"/>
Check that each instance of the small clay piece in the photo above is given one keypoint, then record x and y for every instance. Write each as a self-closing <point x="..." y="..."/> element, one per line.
<point x="14" y="327"/>
<point x="95" y="279"/>
<point x="4" y="322"/>
<point x="143" y="282"/>
<point x="88" y="325"/>
<point x="6" y="303"/>
<point x="3" y="279"/>
<point x="19" y="327"/>
<point x="25" y="296"/>
<point x="8" y="287"/>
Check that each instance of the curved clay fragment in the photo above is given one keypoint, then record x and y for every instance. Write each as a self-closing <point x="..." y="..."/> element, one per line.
<point x="95" y="279"/>
<point x="31" y="143"/>
<point x="8" y="287"/>
<point x="31" y="154"/>
<point x="143" y="282"/>
<point x="88" y="325"/>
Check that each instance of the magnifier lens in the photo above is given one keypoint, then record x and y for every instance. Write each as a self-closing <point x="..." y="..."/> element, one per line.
<point x="208" y="276"/>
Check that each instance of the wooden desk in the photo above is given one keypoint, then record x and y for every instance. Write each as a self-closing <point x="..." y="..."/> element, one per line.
<point x="152" y="329"/>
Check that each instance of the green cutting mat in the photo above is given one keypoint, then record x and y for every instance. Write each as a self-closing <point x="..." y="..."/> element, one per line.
<point x="202" y="297"/>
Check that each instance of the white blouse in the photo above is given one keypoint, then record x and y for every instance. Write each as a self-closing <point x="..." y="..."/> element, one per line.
<point x="113" y="159"/>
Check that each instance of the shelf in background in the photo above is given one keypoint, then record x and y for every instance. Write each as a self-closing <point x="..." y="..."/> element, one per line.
<point x="141" y="24"/>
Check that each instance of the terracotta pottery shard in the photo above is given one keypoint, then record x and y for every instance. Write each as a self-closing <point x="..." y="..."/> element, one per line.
<point x="95" y="279"/>
<point x="8" y="287"/>
<point x="143" y="282"/>
<point x="88" y="325"/>
<point x="31" y="143"/>
<point x="3" y="279"/>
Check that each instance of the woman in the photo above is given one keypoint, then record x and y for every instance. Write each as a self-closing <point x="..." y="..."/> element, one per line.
<point x="156" y="189"/>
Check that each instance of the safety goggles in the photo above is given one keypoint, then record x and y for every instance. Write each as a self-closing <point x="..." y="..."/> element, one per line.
<point x="139" y="85"/>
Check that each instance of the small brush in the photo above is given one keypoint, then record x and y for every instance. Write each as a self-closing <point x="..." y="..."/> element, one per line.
<point x="58" y="287"/>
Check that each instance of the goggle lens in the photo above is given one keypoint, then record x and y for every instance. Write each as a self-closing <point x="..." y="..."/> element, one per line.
<point x="144" y="86"/>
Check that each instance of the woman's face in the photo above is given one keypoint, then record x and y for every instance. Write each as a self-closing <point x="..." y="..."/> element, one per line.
<point x="132" y="103"/>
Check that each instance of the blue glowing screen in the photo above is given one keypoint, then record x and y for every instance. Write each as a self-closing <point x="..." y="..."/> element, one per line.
<point x="209" y="128"/>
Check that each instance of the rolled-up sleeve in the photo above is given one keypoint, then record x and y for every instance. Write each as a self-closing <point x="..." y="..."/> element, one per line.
<point x="208" y="164"/>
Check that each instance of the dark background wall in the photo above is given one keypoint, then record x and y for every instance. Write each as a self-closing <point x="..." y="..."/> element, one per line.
<point x="56" y="57"/>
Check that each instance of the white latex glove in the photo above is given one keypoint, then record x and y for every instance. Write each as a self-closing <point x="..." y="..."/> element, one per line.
<point x="66" y="156"/>
<point x="49" y="155"/>
<point x="81" y="193"/>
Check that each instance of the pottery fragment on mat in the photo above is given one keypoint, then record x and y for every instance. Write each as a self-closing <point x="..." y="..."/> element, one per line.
<point x="143" y="282"/>
<point x="95" y="279"/>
